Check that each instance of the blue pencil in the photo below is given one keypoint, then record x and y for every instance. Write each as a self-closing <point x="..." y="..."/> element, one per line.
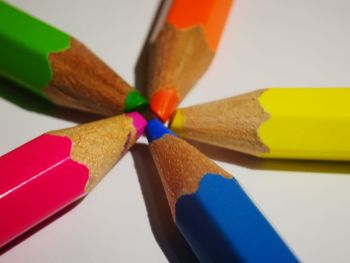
<point x="209" y="207"/>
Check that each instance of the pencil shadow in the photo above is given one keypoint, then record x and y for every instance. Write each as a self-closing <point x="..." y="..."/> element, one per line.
<point x="164" y="230"/>
<point x="23" y="98"/>
<point x="244" y="160"/>
<point x="38" y="227"/>
<point x="141" y="67"/>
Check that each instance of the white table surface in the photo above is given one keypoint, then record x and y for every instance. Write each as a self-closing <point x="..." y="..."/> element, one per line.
<point x="126" y="218"/>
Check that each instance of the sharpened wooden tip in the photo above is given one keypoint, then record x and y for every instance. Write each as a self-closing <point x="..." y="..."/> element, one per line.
<point x="184" y="47"/>
<point x="171" y="67"/>
<point x="230" y="123"/>
<point x="100" y="144"/>
<point x="82" y="81"/>
<point x="180" y="165"/>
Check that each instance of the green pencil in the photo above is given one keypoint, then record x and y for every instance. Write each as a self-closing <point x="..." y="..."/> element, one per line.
<point x="58" y="67"/>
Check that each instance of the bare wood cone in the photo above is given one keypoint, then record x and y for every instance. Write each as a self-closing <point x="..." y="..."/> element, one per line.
<point x="82" y="81"/>
<point x="181" y="167"/>
<point x="178" y="58"/>
<point x="230" y="123"/>
<point x="100" y="144"/>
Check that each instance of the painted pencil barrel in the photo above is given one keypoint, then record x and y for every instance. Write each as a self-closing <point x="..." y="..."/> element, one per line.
<point x="222" y="224"/>
<point x="192" y="25"/>
<point x="294" y="123"/>
<point x="306" y="123"/>
<point x="210" y="14"/>
<point x="30" y="190"/>
<point x="25" y="45"/>
<point x="212" y="211"/>
<point x="50" y="172"/>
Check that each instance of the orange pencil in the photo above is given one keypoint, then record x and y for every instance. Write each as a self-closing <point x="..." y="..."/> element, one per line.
<point x="182" y="46"/>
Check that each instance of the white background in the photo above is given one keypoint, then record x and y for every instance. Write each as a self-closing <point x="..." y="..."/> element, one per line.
<point x="126" y="218"/>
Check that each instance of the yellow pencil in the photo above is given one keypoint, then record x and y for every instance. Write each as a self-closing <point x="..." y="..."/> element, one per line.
<point x="295" y="123"/>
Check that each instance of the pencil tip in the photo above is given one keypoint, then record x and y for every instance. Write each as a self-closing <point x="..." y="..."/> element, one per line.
<point x="155" y="130"/>
<point x="139" y="122"/>
<point x="134" y="101"/>
<point x="177" y="121"/>
<point x="163" y="103"/>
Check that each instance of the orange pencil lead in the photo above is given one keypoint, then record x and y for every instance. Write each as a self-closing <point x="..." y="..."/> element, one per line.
<point x="182" y="47"/>
<point x="163" y="103"/>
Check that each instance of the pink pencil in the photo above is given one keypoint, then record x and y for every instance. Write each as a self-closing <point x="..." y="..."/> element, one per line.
<point x="55" y="169"/>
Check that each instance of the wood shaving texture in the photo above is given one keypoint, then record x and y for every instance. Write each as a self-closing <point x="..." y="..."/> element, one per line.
<point x="178" y="58"/>
<point x="231" y="123"/>
<point x="181" y="167"/>
<point x="100" y="144"/>
<point x="82" y="81"/>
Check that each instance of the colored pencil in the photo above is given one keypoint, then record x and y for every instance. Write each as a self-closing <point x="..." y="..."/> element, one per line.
<point x="55" y="169"/>
<point x="209" y="207"/>
<point x="58" y="67"/>
<point x="182" y="48"/>
<point x="296" y="123"/>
